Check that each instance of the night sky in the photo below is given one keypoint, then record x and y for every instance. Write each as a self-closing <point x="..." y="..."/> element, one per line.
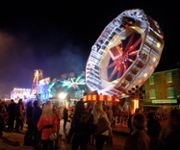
<point x="57" y="37"/>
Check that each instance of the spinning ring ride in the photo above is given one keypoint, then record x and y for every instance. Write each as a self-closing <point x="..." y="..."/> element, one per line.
<point x="125" y="55"/>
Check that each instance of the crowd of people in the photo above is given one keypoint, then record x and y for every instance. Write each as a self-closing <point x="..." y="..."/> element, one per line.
<point x="147" y="132"/>
<point x="43" y="122"/>
<point x="90" y="123"/>
<point x="10" y="113"/>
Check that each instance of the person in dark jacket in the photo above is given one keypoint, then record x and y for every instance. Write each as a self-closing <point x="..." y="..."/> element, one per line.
<point x="65" y="118"/>
<point x="28" y="138"/>
<point x="19" y="116"/>
<point x="36" y="113"/>
<point x="11" y="115"/>
<point x="81" y="127"/>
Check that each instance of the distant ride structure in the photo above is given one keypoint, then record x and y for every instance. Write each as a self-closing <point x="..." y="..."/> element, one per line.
<point x="125" y="54"/>
<point x="37" y="76"/>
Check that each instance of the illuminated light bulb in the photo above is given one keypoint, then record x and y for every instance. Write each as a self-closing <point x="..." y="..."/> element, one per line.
<point x="115" y="81"/>
<point x="145" y="75"/>
<point x="123" y="95"/>
<point x="158" y="45"/>
<point x="133" y="27"/>
<point x="154" y="59"/>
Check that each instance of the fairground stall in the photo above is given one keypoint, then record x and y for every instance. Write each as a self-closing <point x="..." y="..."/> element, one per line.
<point x="20" y="93"/>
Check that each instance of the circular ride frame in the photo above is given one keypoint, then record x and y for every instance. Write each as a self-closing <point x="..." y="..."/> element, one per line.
<point x="125" y="55"/>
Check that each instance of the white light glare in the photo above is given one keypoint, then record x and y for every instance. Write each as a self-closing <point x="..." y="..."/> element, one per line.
<point x="62" y="95"/>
